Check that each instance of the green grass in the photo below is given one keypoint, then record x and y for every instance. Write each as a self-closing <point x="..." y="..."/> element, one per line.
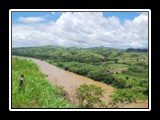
<point x="113" y="68"/>
<point x="117" y="65"/>
<point x="37" y="91"/>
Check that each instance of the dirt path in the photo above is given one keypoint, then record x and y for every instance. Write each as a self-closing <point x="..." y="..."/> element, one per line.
<point x="70" y="81"/>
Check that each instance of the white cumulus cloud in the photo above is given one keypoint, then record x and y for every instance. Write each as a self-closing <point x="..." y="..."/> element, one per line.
<point x="31" y="19"/>
<point x="84" y="29"/>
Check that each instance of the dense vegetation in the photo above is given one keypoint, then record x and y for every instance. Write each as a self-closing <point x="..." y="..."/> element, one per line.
<point x="36" y="92"/>
<point x="126" y="70"/>
<point x="89" y="96"/>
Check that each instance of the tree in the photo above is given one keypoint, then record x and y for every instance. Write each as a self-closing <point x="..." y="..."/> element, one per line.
<point x="137" y="59"/>
<point x="122" y="96"/>
<point x="90" y="96"/>
<point x="116" y="61"/>
<point x="67" y="56"/>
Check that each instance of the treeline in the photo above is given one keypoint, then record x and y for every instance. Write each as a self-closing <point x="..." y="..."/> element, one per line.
<point x="136" y="50"/>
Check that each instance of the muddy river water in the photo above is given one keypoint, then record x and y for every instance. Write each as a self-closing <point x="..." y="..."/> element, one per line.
<point x="70" y="81"/>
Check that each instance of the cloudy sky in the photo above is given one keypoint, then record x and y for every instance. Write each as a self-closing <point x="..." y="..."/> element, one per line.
<point x="80" y="29"/>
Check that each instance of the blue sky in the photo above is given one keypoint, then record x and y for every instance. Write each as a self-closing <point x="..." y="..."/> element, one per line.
<point x="49" y="16"/>
<point x="122" y="15"/>
<point x="80" y="29"/>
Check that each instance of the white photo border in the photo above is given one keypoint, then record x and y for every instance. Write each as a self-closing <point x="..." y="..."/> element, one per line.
<point x="78" y="10"/>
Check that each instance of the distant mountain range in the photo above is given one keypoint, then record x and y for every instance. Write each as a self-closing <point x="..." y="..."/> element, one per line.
<point x="94" y="48"/>
<point x="136" y="50"/>
<point x="128" y="49"/>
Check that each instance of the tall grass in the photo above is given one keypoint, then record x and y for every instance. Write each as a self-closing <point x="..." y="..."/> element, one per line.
<point x="37" y="92"/>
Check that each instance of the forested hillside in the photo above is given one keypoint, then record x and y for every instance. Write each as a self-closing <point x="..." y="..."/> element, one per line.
<point x="126" y="70"/>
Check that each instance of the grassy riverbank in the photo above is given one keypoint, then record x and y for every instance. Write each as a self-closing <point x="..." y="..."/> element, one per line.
<point x="37" y="92"/>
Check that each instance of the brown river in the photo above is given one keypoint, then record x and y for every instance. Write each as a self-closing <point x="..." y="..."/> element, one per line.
<point x="70" y="81"/>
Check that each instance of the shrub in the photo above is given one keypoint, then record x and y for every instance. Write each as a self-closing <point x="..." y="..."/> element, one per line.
<point x="99" y="74"/>
<point x="127" y="78"/>
<point x="66" y="67"/>
<point x="135" y="69"/>
<point x="60" y="65"/>
<point x="119" y="83"/>
<point x="90" y="96"/>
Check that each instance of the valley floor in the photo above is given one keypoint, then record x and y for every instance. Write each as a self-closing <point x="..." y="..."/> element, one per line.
<point x="70" y="81"/>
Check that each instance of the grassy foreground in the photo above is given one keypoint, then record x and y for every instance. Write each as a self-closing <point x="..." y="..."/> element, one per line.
<point x="37" y="92"/>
